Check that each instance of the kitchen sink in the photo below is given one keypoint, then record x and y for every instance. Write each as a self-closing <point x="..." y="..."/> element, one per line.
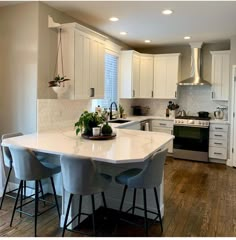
<point x="119" y="121"/>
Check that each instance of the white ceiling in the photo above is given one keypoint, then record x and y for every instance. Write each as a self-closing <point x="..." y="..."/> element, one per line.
<point x="206" y="21"/>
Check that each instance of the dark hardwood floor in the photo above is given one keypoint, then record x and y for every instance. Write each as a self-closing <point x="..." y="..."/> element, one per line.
<point x="200" y="201"/>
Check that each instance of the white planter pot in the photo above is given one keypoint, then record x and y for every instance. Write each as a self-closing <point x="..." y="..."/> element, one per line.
<point x="60" y="90"/>
<point x="172" y="113"/>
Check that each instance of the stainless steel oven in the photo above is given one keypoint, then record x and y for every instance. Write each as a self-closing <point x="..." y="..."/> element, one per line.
<point x="191" y="140"/>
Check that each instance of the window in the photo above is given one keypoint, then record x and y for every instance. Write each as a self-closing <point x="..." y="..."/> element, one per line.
<point x="111" y="83"/>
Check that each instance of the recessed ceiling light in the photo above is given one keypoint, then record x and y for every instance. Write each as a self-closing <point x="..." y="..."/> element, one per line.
<point x="114" y="19"/>
<point x="167" y="12"/>
<point x="187" y="37"/>
<point x="123" y="33"/>
<point x="147" y="41"/>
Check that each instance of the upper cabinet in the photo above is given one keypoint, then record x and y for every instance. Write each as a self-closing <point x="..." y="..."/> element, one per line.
<point x="84" y="56"/>
<point x="166" y="75"/>
<point x="220" y="75"/>
<point x="149" y="76"/>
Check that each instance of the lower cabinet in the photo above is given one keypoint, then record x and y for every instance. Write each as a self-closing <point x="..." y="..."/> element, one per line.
<point x="165" y="126"/>
<point x="218" y="141"/>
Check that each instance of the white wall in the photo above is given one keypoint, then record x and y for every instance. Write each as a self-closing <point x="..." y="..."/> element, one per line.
<point x="18" y="67"/>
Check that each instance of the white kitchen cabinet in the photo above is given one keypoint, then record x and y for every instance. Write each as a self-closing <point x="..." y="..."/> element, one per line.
<point x="218" y="141"/>
<point x="166" y="75"/>
<point x="84" y="56"/>
<point x="165" y="126"/>
<point x="220" y="75"/>
<point x="130" y="73"/>
<point x="146" y="76"/>
<point x="136" y="75"/>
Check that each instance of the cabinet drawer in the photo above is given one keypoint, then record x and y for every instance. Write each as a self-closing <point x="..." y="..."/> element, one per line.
<point x="218" y="143"/>
<point x="219" y="127"/>
<point x="162" y="123"/>
<point x="218" y="135"/>
<point x="220" y="153"/>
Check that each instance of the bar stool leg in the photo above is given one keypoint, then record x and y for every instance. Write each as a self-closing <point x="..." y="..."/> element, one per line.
<point x="158" y="208"/>
<point x="123" y="197"/>
<point x="17" y="197"/>
<point x="104" y="200"/>
<point x="5" y="188"/>
<point x="93" y="215"/>
<point x="134" y="199"/>
<point x="55" y="196"/>
<point x="21" y="197"/>
<point x="145" y="212"/>
<point x="42" y="193"/>
<point x="80" y="206"/>
<point x="24" y="187"/>
<point x="36" y="207"/>
<point x="67" y="214"/>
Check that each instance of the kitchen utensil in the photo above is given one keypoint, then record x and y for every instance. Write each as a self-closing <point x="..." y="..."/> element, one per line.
<point x="219" y="114"/>
<point x="203" y="114"/>
<point x="182" y="113"/>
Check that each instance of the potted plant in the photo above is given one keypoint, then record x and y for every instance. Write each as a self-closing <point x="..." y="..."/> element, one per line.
<point x="58" y="80"/>
<point x="87" y="121"/>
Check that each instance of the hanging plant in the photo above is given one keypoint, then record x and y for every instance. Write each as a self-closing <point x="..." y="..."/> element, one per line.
<point x="58" y="80"/>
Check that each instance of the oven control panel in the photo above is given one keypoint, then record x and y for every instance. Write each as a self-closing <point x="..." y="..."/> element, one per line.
<point x="191" y="122"/>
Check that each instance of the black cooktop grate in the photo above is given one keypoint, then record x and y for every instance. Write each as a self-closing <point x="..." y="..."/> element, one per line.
<point x="193" y="117"/>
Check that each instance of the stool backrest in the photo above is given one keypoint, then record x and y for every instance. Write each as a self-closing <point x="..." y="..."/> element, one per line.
<point x="79" y="175"/>
<point x="151" y="175"/>
<point x="26" y="165"/>
<point x="7" y="158"/>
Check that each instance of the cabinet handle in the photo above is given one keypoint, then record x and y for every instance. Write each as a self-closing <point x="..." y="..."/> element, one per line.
<point x="217" y="143"/>
<point x="212" y="94"/>
<point x="219" y="128"/>
<point x="217" y="153"/>
<point x="217" y="135"/>
<point x="162" y="124"/>
<point x="152" y="93"/>
<point x="133" y="93"/>
<point x="175" y="94"/>
<point x="92" y="92"/>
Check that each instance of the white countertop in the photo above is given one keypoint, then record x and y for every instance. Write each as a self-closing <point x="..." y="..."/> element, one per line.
<point x="128" y="146"/>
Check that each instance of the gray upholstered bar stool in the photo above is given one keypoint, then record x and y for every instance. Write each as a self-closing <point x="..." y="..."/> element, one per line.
<point x="150" y="177"/>
<point x="28" y="168"/>
<point x="81" y="177"/>
<point x="7" y="159"/>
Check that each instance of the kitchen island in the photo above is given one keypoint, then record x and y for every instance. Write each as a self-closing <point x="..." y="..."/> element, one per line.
<point x="129" y="149"/>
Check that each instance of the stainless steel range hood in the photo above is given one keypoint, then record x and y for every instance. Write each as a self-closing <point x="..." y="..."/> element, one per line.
<point x="195" y="78"/>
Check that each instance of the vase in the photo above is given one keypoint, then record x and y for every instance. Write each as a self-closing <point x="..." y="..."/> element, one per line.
<point x="60" y="90"/>
<point x="172" y="113"/>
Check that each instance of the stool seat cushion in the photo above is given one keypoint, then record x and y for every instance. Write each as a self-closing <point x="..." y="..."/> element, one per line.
<point x="124" y="177"/>
<point x="53" y="167"/>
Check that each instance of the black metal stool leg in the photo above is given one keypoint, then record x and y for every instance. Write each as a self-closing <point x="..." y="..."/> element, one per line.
<point x="158" y="208"/>
<point x="134" y="199"/>
<point x="42" y="193"/>
<point x="55" y="196"/>
<point x="104" y="200"/>
<point x="24" y="187"/>
<point x="67" y="214"/>
<point x="5" y="188"/>
<point x="80" y="206"/>
<point x="123" y="197"/>
<point x="93" y="215"/>
<point x="145" y="212"/>
<point x="21" y="197"/>
<point x="17" y="197"/>
<point x="36" y="207"/>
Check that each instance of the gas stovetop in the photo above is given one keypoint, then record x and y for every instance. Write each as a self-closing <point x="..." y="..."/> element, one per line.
<point x="193" y="121"/>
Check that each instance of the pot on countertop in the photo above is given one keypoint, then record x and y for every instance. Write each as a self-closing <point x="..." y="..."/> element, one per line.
<point x="203" y="114"/>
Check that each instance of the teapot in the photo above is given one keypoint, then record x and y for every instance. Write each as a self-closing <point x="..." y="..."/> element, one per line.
<point x="219" y="114"/>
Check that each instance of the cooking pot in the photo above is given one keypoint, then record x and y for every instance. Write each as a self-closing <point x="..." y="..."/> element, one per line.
<point x="219" y="114"/>
<point x="203" y="114"/>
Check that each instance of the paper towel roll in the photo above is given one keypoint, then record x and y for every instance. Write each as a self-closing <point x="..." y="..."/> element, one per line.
<point x="146" y="126"/>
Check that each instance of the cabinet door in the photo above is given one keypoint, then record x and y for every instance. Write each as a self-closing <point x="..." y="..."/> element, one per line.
<point x="220" y="75"/>
<point x="136" y="76"/>
<point x="81" y="66"/>
<point x="146" y="76"/>
<point x="96" y="69"/>
<point x="166" y="73"/>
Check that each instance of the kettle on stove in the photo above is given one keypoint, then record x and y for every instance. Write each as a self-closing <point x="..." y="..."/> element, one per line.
<point x="182" y="113"/>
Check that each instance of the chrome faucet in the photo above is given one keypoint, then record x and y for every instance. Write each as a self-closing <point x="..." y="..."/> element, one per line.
<point x="111" y="109"/>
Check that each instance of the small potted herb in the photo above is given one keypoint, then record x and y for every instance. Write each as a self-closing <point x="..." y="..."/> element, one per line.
<point x="58" y="80"/>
